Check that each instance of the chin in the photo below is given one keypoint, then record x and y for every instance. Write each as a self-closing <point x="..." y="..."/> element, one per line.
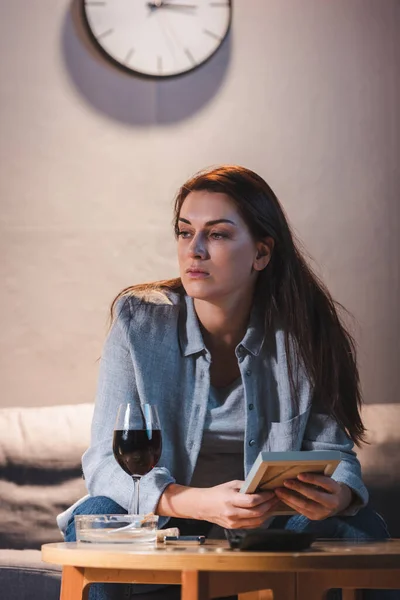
<point x="200" y="290"/>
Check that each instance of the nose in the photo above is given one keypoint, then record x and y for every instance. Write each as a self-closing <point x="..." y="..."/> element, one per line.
<point x="198" y="248"/>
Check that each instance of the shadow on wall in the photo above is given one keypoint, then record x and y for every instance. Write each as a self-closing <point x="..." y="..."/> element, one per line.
<point x="128" y="98"/>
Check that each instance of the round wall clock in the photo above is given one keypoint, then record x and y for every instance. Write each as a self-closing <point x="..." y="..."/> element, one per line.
<point x="159" y="38"/>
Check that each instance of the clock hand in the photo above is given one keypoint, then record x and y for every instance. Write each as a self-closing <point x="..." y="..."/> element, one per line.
<point x="169" y="5"/>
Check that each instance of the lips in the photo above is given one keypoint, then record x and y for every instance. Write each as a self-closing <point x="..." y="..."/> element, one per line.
<point x="195" y="270"/>
<point x="196" y="273"/>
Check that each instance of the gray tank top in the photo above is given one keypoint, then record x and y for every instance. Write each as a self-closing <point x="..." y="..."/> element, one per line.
<point x="221" y="456"/>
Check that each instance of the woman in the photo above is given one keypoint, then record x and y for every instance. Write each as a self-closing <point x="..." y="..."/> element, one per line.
<point x="244" y="352"/>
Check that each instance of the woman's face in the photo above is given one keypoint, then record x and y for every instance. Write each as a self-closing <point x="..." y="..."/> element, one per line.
<point x="217" y="255"/>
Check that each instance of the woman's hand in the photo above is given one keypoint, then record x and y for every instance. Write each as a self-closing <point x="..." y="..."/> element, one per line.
<point x="226" y="506"/>
<point x="315" y="503"/>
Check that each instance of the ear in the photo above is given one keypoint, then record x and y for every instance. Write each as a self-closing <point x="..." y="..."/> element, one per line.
<point x="264" y="252"/>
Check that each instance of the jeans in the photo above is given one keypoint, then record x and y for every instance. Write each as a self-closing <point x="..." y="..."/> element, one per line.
<point x="366" y="525"/>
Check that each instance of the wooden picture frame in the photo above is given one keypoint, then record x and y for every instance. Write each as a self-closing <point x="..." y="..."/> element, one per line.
<point x="271" y="469"/>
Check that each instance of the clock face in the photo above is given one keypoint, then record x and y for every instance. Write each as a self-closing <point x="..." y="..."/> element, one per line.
<point x="158" y="38"/>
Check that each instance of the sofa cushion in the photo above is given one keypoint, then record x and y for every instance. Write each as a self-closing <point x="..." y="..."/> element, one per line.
<point x="49" y="437"/>
<point x="40" y="470"/>
<point x="380" y="458"/>
<point x="24" y="576"/>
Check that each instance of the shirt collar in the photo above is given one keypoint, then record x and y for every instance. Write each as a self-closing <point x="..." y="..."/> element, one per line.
<point x="191" y="340"/>
<point x="254" y="337"/>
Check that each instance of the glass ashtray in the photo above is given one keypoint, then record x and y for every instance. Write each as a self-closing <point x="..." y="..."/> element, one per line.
<point x="116" y="529"/>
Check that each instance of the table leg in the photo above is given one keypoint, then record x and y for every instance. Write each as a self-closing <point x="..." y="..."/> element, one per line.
<point x="73" y="584"/>
<point x="195" y="585"/>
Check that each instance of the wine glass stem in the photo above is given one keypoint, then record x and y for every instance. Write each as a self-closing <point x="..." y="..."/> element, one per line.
<point x="136" y="481"/>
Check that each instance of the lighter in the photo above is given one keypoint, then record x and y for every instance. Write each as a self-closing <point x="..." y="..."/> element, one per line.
<point x="184" y="539"/>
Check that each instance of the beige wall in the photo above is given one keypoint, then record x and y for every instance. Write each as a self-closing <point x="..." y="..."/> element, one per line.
<point x="304" y="92"/>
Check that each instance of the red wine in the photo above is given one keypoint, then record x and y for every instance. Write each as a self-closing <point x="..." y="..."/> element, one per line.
<point x="135" y="451"/>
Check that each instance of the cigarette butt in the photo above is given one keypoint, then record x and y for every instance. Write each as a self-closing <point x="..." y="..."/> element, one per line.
<point x="161" y="533"/>
<point x="147" y="517"/>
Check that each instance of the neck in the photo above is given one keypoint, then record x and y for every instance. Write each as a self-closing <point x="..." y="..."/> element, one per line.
<point x="224" y="324"/>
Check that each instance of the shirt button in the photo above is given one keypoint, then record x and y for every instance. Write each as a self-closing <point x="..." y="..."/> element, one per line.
<point x="252" y="442"/>
<point x="251" y="406"/>
<point x="240" y="349"/>
<point x="248" y="372"/>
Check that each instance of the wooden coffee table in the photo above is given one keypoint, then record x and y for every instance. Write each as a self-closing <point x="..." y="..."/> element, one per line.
<point x="214" y="570"/>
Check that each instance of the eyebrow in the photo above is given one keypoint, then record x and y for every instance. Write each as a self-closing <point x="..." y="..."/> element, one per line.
<point x="210" y="223"/>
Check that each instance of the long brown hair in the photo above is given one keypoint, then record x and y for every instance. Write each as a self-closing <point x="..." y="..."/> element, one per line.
<point x="293" y="295"/>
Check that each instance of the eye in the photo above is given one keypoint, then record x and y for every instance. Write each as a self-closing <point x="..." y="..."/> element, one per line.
<point x="218" y="235"/>
<point x="184" y="234"/>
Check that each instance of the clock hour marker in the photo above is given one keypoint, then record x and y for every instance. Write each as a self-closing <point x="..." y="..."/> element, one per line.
<point x="129" y="55"/>
<point x="104" y="34"/>
<point x="159" y="64"/>
<point x="94" y="3"/>
<point x="219" y="3"/>
<point x="190" y="56"/>
<point x="212" y="34"/>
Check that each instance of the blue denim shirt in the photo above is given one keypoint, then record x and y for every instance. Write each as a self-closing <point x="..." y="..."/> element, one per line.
<point x="155" y="353"/>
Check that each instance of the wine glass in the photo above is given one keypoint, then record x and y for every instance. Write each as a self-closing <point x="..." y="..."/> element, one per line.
<point x="137" y="442"/>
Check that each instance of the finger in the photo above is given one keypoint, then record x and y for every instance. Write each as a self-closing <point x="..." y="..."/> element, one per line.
<point x="236" y="484"/>
<point x="309" y="491"/>
<point x="254" y="512"/>
<point x="310" y="514"/>
<point x="247" y="523"/>
<point x="251" y="500"/>
<point x="301" y="504"/>
<point x="327" y="483"/>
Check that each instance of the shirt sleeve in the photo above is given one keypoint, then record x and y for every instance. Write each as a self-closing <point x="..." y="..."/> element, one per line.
<point x="116" y="384"/>
<point x="323" y="433"/>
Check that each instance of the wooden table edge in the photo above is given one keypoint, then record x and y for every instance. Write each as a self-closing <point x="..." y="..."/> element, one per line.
<point x="73" y="554"/>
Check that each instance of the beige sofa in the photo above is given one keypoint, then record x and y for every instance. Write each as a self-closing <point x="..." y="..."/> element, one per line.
<point x="381" y="461"/>
<point x="40" y="475"/>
